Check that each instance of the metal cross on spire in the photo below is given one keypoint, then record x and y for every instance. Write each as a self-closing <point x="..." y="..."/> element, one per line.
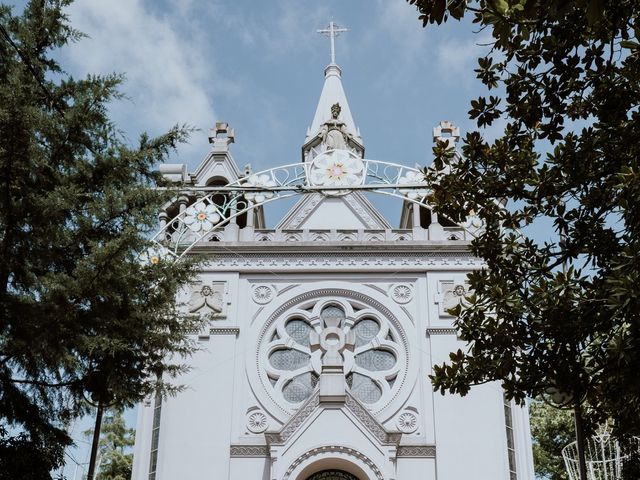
<point x="332" y="31"/>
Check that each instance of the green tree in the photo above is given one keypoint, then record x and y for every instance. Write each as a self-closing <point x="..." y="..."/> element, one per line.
<point x="567" y="80"/>
<point x="116" y="441"/>
<point x="551" y="430"/>
<point x="82" y="313"/>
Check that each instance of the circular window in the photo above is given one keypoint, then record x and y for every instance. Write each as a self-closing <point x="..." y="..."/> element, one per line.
<point x="362" y="338"/>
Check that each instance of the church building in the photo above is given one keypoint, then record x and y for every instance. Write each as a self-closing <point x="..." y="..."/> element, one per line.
<point x="323" y="329"/>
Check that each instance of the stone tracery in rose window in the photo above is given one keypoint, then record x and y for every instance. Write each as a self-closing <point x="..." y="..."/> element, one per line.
<point x="371" y="358"/>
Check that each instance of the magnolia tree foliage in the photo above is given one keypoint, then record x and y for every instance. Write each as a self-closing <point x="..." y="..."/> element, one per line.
<point x="567" y="79"/>
<point x="83" y="315"/>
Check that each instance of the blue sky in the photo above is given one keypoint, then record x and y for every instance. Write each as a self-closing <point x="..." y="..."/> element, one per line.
<point x="259" y="66"/>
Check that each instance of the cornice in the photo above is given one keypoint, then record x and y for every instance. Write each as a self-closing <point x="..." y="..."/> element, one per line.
<point x="350" y="260"/>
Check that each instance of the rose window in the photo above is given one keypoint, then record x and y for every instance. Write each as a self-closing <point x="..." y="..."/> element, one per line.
<point x="365" y="341"/>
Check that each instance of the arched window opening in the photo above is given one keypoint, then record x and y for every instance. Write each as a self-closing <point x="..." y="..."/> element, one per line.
<point x="332" y="475"/>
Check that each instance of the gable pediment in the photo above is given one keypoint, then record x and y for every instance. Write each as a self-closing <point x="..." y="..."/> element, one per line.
<point x="347" y="212"/>
<point x="356" y="417"/>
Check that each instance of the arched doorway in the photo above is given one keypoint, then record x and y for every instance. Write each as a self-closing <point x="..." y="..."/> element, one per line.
<point x="332" y="475"/>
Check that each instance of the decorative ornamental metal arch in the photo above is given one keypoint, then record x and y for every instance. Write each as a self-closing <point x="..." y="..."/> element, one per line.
<point x="333" y="173"/>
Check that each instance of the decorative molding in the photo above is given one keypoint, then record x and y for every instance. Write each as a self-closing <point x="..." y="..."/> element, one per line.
<point x="329" y="449"/>
<point x="369" y="421"/>
<point x="441" y="331"/>
<point x="340" y="261"/>
<point x="298" y="419"/>
<point x="424" y="451"/>
<point x="407" y="422"/>
<point x="249" y="451"/>
<point x="263" y="294"/>
<point x="257" y="422"/>
<point x="224" y="331"/>
<point x="301" y="211"/>
<point x="402" y="293"/>
<point x="329" y="235"/>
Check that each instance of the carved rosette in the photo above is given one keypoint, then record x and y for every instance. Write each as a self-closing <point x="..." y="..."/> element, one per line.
<point x="257" y="422"/>
<point x="401" y="293"/>
<point x="407" y="422"/>
<point x="263" y="294"/>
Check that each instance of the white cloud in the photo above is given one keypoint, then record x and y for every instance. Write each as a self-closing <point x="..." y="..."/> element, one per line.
<point x="400" y="21"/>
<point x="457" y="58"/>
<point x="167" y="76"/>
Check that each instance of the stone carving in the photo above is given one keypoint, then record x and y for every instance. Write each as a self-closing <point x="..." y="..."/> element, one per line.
<point x="369" y="421"/>
<point x="329" y="449"/>
<point x="257" y="422"/>
<point x="299" y="418"/>
<point x="207" y="299"/>
<point x="425" y="451"/>
<point x="249" y="451"/>
<point x="263" y="294"/>
<point x="334" y="133"/>
<point x="451" y="294"/>
<point x="407" y="422"/>
<point x="402" y="293"/>
<point x="454" y="296"/>
<point x="446" y="131"/>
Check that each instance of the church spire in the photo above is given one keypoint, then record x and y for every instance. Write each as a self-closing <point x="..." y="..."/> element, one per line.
<point x="332" y="94"/>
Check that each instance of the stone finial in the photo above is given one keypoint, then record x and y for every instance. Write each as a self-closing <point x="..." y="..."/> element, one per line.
<point x="446" y="131"/>
<point x="221" y="136"/>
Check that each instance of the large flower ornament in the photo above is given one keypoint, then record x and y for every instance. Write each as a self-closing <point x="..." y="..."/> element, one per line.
<point x="201" y="217"/>
<point x="336" y="168"/>
<point x="155" y="254"/>
<point x="414" y="178"/>
<point x="264" y="181"/>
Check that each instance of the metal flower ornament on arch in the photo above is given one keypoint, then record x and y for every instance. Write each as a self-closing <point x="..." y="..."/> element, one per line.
<point x="333" y="172"/>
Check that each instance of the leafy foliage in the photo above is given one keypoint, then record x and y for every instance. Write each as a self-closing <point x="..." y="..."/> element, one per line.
<point x="567" y="73"/>
<point x="551" y="429"/>
<point x="82" y="316"/>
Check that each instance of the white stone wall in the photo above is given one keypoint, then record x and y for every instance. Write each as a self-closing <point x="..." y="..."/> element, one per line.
<point x="223" y="389"/>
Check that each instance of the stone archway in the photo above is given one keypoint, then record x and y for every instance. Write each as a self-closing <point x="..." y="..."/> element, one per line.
<point x="332" y="475"/>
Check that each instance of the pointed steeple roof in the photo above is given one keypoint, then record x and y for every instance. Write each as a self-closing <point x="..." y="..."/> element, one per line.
<point x="332" y="92"/>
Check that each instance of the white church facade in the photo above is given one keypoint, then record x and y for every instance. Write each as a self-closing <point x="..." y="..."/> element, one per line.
<point x="323" y="329"/>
